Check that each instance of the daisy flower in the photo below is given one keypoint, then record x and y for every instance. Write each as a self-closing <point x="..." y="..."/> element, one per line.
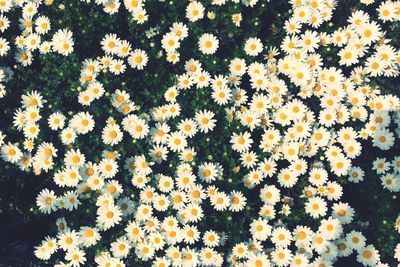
<point x="383" y="139"/>
<point x="68" y="240"/>
<point x="316" y="207"/>
<point x="208" y="44"/>
<point x="220" y="201"/>
<point x="89" y="236"/>
<point x="253" y="46"/>
<point x="170" y="42"/>
<point x="205" y="120"/>
<point x="62" y="42"/>
<point x="56" y="121"/>
<point x="238" y="201"/>
<point x="260" y="229"/>
<point x="10" y="153"/>
<point x="269" y="194"/>
<point x="281" y="256"/>
<point x="46" y="201"/>
<point x="368" y="256"/>
<point x="111" y="134"/>
<point x="82" y="122"/>
<point x="76" y="257"/>
<point x="108" y="216"/>
<point x="194" y="11"/>
<point x="138" y="59"/>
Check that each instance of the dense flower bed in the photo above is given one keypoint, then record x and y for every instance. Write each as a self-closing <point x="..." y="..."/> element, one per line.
<point x="209" y="133"/>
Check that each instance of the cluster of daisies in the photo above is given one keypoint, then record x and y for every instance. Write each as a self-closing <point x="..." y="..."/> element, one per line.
<point x="135" y="7"/>
<point x="300" y="124"/>
<point x="35" y="36"/>
<point x="6" y="74"/>
<point x="118" y="53"/>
